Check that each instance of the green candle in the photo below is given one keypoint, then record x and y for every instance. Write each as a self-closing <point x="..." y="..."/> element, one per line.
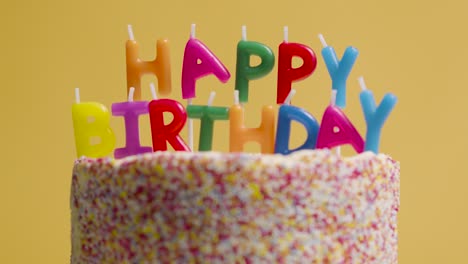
<point x="207" y="114"/>
<point x="245" y="72"/>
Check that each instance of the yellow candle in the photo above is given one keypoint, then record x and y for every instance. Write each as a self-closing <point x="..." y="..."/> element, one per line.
<point x="91" y="121"/>
<point x="239" y="134"/>
<point x="161" y="67"/>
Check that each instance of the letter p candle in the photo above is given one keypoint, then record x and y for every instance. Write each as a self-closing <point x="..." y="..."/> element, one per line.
<point x="245" y="72"/>
<point x="286" y="73"/>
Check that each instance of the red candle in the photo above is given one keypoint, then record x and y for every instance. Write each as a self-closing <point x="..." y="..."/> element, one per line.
<point x="286" y="73"/>
<point x="161" y="133"/>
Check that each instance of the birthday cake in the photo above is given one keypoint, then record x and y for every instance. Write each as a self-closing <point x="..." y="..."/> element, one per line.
<point x="302" y="205"/>
<point x="308" y="207"/>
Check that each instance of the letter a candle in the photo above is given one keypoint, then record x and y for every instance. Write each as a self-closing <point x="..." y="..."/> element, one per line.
<point x="130" y="111"/>
<point x="195" y="52"/>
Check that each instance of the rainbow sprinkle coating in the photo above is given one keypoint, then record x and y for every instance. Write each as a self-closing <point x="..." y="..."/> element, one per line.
<point x="179" y="207"/>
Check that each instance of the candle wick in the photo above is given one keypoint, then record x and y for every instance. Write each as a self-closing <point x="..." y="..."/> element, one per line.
<point x="153" y="91"/>
<point x="322" y="40"/>
<point x="333" y="98"/>
<point x="285" y="33"/>
<point x="130" y="94"/>
<point x="338" y="151"/>
<point x="190" y="128"/>
<point x="362" y="83"/>
<point x="211" y="98"/>
<point x="289" y="97"/>
<point x="77" y="95"/>
<point x="192" y="31"/>
<point x="130" y="32"/>
<point x="236" y="97"/>
<point x="244" y="33"/>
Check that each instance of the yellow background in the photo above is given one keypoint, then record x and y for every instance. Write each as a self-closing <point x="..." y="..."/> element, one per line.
<point x="415" y="49"/>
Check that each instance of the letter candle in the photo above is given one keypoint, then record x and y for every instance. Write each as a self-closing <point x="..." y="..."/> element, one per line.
<point x="288" y="113"/>
<point x="336" y="129"/>
<point x="375" y="116"/>
<point x="196" y="51"/>
<point x="245" y="72"/>
<point x="338" y="69"/>
<point x="207" y="114"/>
<point x="286" y="73"/>
<point x="239" y="134"/>
<point x="91" y="120"/>
<point x="161" y="133"/>
<point x="130" y="111"/>
<point x="160" y="67"/>
<point x="94" y="137"/>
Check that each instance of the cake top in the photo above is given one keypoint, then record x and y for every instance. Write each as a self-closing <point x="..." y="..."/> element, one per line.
<point x="310" y="157"/>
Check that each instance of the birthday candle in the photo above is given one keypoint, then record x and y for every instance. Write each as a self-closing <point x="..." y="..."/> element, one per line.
<point x="208" y="114"/>
<point x="161" y="133"/>
<point x="198" y="62"/>
<point x="288" y="113"/>
<point x="375" y="116"/>
<point x="339" y="69"/>
<point x="130" y="111"/>
<point x="91" y="120"/>
<point x="336" y="129"/>
<point x="245" y="72"/>
<point x="239" y="134"/>
<point x="286" y="73"/>
<point x="195" y="52"/>
<point x="160" y="67"/>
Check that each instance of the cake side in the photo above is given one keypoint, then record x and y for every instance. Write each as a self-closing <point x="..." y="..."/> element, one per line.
<point x="310" y="206"/>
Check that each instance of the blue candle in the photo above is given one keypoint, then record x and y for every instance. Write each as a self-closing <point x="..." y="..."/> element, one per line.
<point x="288" y="113"/>
<point x="339" y="69"/>
<point x="375" y="116"/>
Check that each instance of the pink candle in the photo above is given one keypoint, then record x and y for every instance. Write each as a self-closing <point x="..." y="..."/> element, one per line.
<point x="199" y="61"/>
<point x="130" y="111"/>
<point x="337" y="130"/>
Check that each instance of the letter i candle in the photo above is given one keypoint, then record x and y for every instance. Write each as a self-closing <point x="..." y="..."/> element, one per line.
<point x="95" y="138"/>
<point x="131" y="111"/>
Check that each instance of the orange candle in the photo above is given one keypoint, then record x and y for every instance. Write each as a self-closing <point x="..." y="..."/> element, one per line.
<point x="136" y="68"/>
<point x="239" y="134"/>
